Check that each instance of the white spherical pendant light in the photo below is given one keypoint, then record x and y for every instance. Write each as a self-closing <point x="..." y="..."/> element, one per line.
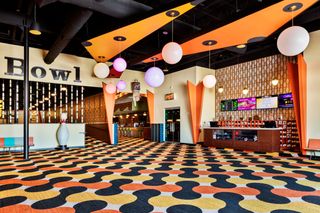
<point x="172" y="53"/>
<point x="101" y="70"/>
<point x="110" y="88"/>
<point x="121" y="85"/>
<point x="209" y="81"/>
<point x="293" y="41"/>
<point x="154" y="77"/>
<point x="120" y="64"/>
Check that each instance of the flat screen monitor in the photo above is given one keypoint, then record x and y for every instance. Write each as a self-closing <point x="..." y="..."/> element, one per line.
<point x="229" y="105"/>
<point x="285" y="100"/>
<point x="268" y="102"/>
<point x="246" y="103"/>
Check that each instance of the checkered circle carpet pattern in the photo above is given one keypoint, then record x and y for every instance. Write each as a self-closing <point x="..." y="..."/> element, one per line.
<point x="139" y="176"/>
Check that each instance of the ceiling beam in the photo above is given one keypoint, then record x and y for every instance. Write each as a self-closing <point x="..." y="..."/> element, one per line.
<point x="113" y="8"/>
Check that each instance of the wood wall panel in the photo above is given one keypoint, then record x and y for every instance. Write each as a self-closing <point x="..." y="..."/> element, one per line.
<point x="94" y="109"/>
<point x="256" y="76"/>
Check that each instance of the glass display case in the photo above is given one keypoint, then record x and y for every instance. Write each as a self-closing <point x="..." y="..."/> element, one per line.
<point x="246" y="135"/>
<point x="222" y="134"/>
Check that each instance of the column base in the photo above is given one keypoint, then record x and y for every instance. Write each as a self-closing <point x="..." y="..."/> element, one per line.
<point x="64" y="147"/>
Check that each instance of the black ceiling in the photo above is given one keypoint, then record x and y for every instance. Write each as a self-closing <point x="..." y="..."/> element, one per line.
<point x="67" y="23"/>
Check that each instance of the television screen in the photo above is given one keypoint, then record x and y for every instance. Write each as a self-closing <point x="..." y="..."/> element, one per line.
<point x="229" y="105"/>
<point x="246" y="103"/>
<point x="285" y="100"/>
<point x="270" y="102"/>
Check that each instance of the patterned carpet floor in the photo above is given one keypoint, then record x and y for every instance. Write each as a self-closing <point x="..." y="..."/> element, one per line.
<point x="140" y="176"/>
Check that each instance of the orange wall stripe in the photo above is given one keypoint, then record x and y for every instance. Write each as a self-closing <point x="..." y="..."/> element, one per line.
<point x="259" y="24"/>
<point x="200" y="94"/>
<point x="109" y="100"/>
<point x="195" y="96"/>
<point x="105" y="45"/>
<point x="302" y="72"/>
<point x="150" y="99"/>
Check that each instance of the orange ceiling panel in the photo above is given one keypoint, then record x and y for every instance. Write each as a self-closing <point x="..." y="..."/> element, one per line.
<point x="105" y="45"/>
<point x="259" y="24"/>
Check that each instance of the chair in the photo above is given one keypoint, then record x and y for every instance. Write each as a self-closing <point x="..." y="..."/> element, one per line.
<point x="313" y="147"/>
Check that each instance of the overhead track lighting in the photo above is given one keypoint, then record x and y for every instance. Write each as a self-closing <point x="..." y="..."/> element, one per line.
<point x="35" y="28"/>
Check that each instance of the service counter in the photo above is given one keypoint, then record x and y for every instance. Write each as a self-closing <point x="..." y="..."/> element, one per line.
<point x="252" y="139"/>
<point x="135" y="132"/>
<point x="44" y="134"/>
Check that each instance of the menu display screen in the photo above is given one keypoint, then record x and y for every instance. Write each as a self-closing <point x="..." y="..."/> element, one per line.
<point x="270" y="102"/>
<point x="246" y="103"/>
<point x="229" y="105"/>
<point x="285" y="100"/>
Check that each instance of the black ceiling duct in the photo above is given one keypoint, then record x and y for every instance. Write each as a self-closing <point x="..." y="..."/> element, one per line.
<point x="114" y="8"/>
<point x="78" y="18"/>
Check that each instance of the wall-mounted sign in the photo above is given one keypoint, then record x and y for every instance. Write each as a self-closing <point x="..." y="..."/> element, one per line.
<point x="169" y="96"/>
<point x="66" y="69"/>
<point x="135" y="87"/>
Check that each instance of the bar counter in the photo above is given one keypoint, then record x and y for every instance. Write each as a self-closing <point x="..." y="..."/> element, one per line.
<point x="135" y="132"/>
<point x="242" y="138"/>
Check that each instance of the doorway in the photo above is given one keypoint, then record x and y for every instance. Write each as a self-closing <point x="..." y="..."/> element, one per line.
<point x="172" y="117"/>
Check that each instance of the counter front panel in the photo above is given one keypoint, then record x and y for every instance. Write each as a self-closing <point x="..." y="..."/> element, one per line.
<point x="253" y="139"/>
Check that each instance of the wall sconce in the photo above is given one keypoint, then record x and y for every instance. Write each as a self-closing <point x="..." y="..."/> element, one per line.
<point x="220" y="89"/>
<point x="245" y="91"/>
<point x="275" y="82"/>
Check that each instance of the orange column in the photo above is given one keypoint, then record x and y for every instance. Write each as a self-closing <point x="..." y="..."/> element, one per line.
<point x="297" y="74"/>
<point x="302" y="71"/>
<point x="195" y="95"/>
<point x="150" y="99"/>
<point x="109" y="100"/>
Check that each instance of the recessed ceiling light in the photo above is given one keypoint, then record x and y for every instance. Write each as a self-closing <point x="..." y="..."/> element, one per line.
<point x="86" y="43"/>
<point x="209" y="42"/>
<point x="241" y="46"/>
<point x="119" y="38"/>
<point x="256" y="39"/>
<point x="172" y="13"/>
<point x="165" y="32"/>
<point x="293" y="7"/>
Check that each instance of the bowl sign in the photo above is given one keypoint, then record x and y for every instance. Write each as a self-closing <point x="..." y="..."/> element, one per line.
<point x="15" y="68"/>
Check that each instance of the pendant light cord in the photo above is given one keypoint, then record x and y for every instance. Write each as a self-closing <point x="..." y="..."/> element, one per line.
<point x="209" y="59"/>
<point x="292" y="17"/>
<point x="172" y="30"/>
<point x="35" y="13"/>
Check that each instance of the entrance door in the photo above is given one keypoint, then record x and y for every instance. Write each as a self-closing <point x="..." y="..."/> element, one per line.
<point x="172" y="117"/>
